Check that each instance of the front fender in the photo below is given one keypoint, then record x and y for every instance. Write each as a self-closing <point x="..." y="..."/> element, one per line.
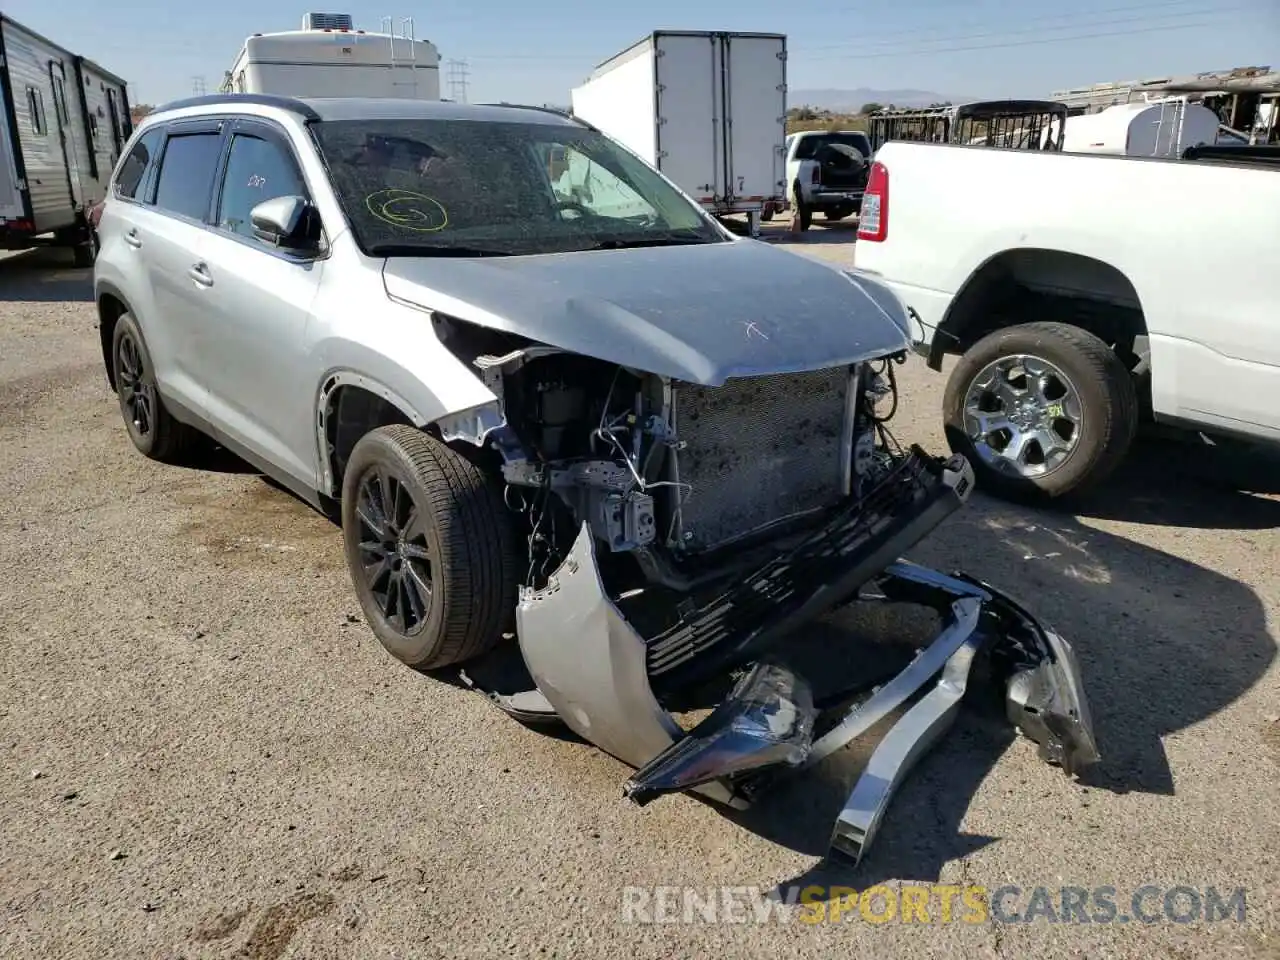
<point x="415" y="374"/>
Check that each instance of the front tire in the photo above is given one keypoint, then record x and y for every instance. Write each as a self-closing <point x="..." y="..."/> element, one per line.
<point x="430" y="547"/>
<point x="1041" y="410"/>
<point x="152" y="428"/>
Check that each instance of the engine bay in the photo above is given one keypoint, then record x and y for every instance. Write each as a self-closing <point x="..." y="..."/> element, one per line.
<point x="682" y="484"/>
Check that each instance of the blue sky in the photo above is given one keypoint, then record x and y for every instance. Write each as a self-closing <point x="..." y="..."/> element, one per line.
<point x="534" y="52"/>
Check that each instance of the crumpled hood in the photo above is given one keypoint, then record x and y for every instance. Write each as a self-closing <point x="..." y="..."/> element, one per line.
<point x="701" y="313"/>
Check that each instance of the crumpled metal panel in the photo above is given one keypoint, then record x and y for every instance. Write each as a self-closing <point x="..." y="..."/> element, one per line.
<point x="758" y="450"/>
<point x="590" y="663"/>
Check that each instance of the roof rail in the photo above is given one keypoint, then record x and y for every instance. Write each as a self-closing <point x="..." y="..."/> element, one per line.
<point x="232" y="99"/>
<point x="551" y="110"/>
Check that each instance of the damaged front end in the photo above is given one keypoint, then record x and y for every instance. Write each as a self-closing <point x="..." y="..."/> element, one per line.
<point x="681" y="536"/>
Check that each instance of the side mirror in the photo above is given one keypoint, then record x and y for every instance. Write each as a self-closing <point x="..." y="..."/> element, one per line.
<point x="290" y="223"/>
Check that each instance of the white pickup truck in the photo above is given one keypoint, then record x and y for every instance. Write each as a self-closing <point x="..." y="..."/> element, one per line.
<point x="1084" y="294"/>
<point x="826" y="173"/>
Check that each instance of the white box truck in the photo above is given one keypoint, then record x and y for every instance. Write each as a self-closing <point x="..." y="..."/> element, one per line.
<point x="707" y="109"/>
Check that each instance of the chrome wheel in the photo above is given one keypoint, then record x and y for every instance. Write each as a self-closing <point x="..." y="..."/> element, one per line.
<point x="394" y="550"/>
<point x="1023" y="415"/>
<point x="137" y="396"/>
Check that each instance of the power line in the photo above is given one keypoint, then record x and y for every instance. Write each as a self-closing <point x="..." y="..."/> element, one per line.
<point x="1015" y="43"/>
<point x="859" y="48"/>
<point x="1093" y="25"/>
<point x="1073" y="15"/>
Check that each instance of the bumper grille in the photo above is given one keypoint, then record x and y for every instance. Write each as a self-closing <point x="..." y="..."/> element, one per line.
<point x="759" y="450"/>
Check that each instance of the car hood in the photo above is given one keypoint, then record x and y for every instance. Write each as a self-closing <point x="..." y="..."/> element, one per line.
<point x="698" y="313"/>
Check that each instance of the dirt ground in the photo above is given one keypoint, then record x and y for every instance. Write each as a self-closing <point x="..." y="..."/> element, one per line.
<point x="205" y="753"/>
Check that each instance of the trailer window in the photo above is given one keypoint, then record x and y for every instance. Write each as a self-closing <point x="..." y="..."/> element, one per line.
<point x="186" y="174"/>
<point x="35" y="104"/>
<point x="257" y="170"/>
<point x="60" y="100"/>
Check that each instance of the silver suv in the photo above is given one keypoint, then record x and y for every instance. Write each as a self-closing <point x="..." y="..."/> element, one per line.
<point x="560" y="411"/>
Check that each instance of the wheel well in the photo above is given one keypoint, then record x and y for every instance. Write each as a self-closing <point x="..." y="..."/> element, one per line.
<point x="110" y="310"/>
<point x="347" y="414"/>
<point x="1032" y="284"/>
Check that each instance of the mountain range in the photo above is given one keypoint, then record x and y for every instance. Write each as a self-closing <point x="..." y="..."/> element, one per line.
<point x="841" y="100"/>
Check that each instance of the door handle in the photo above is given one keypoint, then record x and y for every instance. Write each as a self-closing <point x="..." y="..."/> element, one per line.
<point x="132" y="238"/>
<point x="199" y="272"/>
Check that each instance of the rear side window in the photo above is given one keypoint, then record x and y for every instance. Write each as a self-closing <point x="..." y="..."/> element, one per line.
<point x="137" y="162"/>
<point x="186" y="173"/>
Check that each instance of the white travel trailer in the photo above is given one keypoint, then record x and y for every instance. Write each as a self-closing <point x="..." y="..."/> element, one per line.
<point x="65" y="121"/>
<point x="1153" y="128"/>
<point x="328" y="57"/>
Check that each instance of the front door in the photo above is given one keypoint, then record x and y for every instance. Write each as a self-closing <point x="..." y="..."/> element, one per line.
<point x="258" y="387"/>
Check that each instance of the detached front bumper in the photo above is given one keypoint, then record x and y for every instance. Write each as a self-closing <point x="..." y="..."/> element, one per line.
<point x="595" y="672"/>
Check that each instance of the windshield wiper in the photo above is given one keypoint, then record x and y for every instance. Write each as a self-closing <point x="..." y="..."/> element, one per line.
<point x="433" y="250"/>
<point x="658" y="240"/>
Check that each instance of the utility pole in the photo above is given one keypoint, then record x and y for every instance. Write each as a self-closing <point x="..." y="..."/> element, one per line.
<point x="197" y="86"/>
<point x="457" y="72"/>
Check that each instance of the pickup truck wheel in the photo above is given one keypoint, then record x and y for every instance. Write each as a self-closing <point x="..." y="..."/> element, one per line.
<point x="152" y="428"/>
<point x="430" y="547"/>
<point x="801" y="212"/>
<point x="1041" y="410"/>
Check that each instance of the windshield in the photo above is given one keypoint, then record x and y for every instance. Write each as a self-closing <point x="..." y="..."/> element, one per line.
<point x="811" y="142"/>
<point x="476" y="188"/>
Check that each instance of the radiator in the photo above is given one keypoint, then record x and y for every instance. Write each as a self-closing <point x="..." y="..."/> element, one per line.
<point x="759" y="450"/>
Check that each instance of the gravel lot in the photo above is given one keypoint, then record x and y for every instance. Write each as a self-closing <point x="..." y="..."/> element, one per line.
<point x="204" y="753"/>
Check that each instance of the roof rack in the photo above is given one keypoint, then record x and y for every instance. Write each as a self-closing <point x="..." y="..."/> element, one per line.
<point x="232" y="99"/>
<point x="551" y="110"/>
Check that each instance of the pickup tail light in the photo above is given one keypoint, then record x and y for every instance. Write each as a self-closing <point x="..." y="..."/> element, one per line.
<point x="815" y="176"/>
<point x="873" y="223"/>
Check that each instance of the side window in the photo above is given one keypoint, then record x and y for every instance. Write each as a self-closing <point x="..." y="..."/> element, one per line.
<point x="257" y="170"/>
<point x="60" y="100"/>
<point x="35" y="104"/>
<point x="586" y="183"/>
<point x="136" y="163"/>
<point x="186" y="173"/>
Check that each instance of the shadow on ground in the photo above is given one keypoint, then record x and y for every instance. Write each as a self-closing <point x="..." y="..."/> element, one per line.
<point x="841" y="232"/>
<point x="44" y="276"/>
<point x="1183" y="483"/>
<point x="1163" y="644"/>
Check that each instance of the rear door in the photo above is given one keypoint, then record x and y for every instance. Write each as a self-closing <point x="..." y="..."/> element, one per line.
<point x="170" y="233"/>
<point x="690" y="119"/>
<point x="756" y="105"/>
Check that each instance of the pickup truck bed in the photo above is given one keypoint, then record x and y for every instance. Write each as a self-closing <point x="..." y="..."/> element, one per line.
<point x="1122" y="287"/>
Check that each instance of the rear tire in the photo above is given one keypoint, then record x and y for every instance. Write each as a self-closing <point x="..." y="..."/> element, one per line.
<point x="1099" y="399"/>
<point x="430" y="546"/>
<point x="83" y="254"/>
<point x="801" y="212"/>
<point x="152" y="428"/>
